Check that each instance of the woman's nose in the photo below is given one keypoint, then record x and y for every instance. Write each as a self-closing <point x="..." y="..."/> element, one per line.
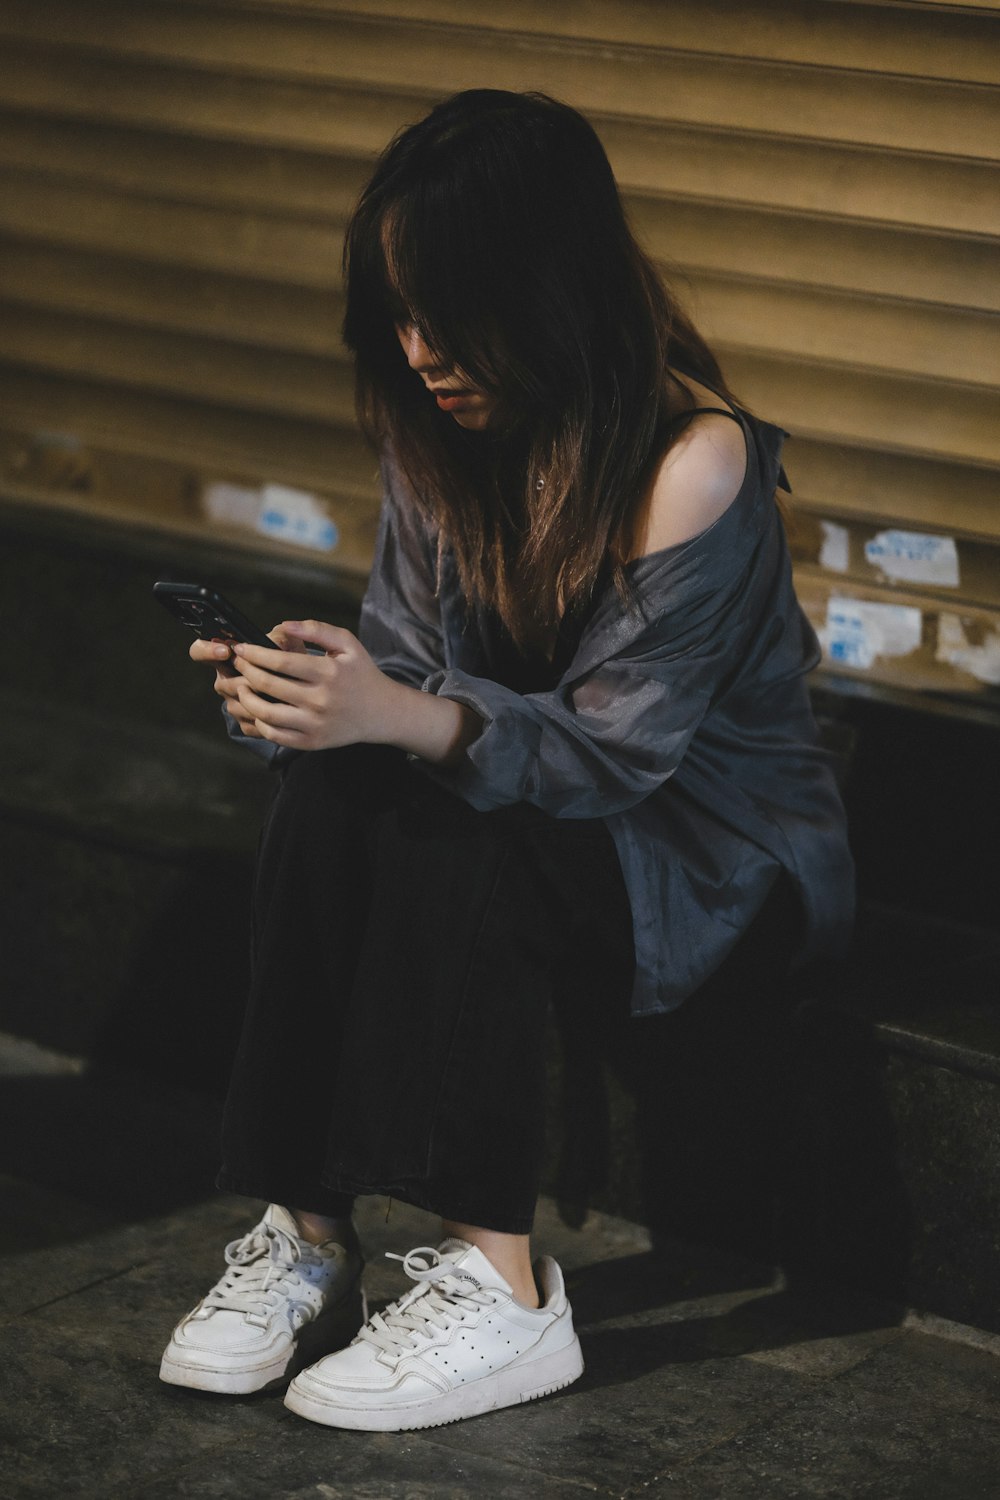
<point x="418" y="355"/>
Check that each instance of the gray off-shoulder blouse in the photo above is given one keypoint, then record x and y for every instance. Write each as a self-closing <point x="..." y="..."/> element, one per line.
<point x="684" y="723"/>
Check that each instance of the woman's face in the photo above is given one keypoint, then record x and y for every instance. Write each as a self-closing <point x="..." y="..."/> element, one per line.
<point x="453" y="391"/>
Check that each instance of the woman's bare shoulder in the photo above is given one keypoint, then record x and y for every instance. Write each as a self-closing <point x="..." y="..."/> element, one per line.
<point x="694" y="482"/>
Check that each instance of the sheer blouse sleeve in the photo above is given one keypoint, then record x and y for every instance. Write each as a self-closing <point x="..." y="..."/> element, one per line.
<point x="643" y="678"/>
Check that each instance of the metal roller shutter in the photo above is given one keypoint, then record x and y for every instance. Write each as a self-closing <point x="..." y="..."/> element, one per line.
<point x="819" y="180"/>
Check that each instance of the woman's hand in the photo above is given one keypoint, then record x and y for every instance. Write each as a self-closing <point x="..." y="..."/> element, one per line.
<point x="227" y="680"/>
<point x="339" y="698"/>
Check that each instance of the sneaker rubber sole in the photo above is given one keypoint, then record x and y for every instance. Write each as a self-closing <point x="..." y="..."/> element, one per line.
<point x="225" y="1382"/>
<point x="526" y="1380"/>
<point x="315" y="1340"/>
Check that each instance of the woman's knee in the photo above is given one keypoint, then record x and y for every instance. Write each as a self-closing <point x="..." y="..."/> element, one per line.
<point x="351" y="776"/>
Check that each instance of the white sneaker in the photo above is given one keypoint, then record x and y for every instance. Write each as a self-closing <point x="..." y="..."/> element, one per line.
<point x="455" y="1345"/>
<point x="243" y="1334"/>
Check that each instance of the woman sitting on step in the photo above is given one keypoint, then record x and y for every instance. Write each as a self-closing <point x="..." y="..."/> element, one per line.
<point x="572" y="734"/>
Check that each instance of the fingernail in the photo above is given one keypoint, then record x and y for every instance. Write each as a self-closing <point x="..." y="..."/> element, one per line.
<point x="222" y="652"/>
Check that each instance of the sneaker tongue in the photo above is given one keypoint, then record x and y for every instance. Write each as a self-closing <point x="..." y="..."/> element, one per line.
<point x="468" y="1258"/>
<point x="280" y="1218"/>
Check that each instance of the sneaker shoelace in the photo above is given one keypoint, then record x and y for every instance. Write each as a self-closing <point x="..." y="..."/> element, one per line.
<point x="262" y="1271"/>
<point x="443" y="1296"/>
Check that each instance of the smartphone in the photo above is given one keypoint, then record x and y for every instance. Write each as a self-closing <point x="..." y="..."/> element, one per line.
<point x="211" y="617"/>
<point x="208" y="614"/>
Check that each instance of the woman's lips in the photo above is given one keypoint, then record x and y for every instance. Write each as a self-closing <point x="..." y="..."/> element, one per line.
<point x="451" y="400"/>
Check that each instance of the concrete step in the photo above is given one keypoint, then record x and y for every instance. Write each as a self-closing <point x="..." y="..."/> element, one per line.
<point x="856" y="1134"/>
<point x="127" y="820"/>
<point x="706" y="1375"/>
<point x="125" y="868"/>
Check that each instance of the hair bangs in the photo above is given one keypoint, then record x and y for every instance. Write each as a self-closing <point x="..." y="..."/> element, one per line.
<point x="432" y="276"/>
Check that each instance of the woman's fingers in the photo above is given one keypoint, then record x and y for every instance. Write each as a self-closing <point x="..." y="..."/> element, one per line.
<point x="297" y="665"/>
<point x="228" y="689"/>
<point x="227" y="683"/>
<point x="290" y="737"/>
<point x="281" y="638"/>
<point x="249" y="729"/>
<point x="209" y="651"/>
<point x="241" y="716"/>
<point x="279" y="684"/>
<point x="318" y="633"/>
<point x="283" y="716"/>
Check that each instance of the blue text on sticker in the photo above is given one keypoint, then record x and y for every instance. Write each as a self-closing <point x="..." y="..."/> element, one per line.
<point x="857" y="631"/>
<point x="915" y="557"/>
<point x="296" y="516"/>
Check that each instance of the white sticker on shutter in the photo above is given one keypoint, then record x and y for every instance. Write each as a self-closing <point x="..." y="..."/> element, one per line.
<point x="857" y="631"/>
<point x="915" y="557"/>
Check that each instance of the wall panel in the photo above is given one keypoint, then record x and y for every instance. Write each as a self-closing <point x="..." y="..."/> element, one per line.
<point x="819" y="179"/>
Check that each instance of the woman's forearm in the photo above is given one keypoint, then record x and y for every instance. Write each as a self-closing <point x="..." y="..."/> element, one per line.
<point x="436" y="729"/>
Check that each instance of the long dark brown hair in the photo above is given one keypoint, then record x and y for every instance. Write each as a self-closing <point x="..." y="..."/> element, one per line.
<point x="495" y="226"/>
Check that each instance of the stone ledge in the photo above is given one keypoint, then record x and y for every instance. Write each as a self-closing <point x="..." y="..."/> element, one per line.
<point x="99" y="777"/>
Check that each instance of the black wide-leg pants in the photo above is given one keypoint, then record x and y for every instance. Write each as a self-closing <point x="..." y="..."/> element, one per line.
<point x="405" y="949"/>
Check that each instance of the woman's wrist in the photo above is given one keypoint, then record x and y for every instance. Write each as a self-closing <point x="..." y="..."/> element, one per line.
<point x="436" y="729"/>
